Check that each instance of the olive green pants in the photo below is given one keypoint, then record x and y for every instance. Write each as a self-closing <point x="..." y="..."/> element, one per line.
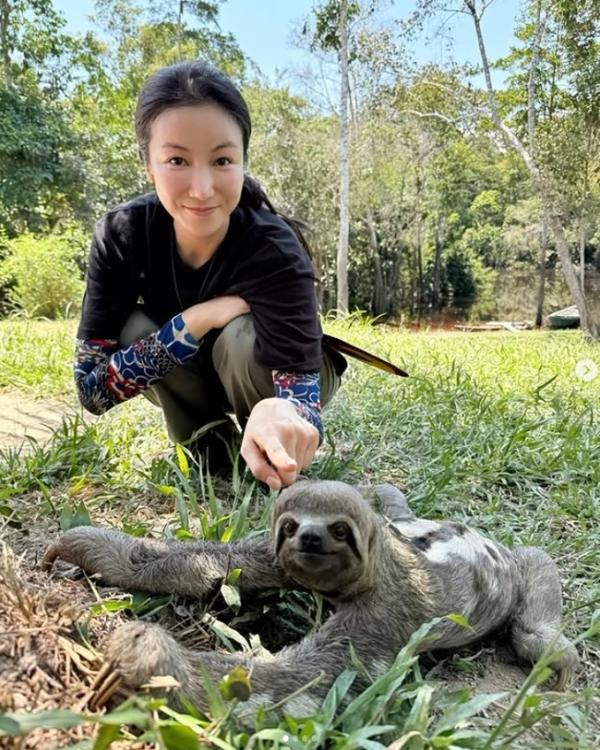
<point x="221" y="379"/>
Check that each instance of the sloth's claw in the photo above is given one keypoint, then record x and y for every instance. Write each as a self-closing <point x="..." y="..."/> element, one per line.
<point x="106" y="686"/>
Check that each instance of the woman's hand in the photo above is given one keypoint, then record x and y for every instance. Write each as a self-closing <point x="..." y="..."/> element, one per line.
<point x="278" y="443"/>
<point x="216" y="313"/>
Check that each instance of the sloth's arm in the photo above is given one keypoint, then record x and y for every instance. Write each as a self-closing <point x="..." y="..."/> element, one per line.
<point x="188" y="568"/>
<point x="302" y="674"/>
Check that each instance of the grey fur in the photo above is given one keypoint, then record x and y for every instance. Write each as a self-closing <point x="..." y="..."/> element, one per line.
<point x="390" y="574"/>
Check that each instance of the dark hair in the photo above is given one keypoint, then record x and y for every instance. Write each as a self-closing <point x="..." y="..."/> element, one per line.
<point x="195" y="83"/>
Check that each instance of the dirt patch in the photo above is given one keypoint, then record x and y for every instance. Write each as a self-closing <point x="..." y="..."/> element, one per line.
<point x="24" y="420"/>
<point x="41" y="665"/>
<point x="50" y="645"/>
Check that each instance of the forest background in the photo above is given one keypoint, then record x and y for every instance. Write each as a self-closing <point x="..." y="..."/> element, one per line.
<point x="445" y="217"/>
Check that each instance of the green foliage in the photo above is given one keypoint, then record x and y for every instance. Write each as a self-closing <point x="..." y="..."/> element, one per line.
<point x="44" y="274"/>
<point x="35" y="51"/>
<point x="566" y="112"/>
<point x="485" y="242"/>
<point x="466" y="275"/>
<point x="40" y="181"/>
<point x="326" y="34"/>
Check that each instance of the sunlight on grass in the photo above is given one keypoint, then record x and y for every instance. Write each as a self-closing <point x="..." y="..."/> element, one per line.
<point x="36" y="356"/>
<point x="494" y="429"/>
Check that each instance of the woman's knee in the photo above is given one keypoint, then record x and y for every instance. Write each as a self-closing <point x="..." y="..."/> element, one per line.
<point x="244" y="380"/>
<point x="234" y="346"/>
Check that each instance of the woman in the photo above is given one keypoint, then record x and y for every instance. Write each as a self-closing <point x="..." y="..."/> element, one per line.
<point x="200" y="296"/>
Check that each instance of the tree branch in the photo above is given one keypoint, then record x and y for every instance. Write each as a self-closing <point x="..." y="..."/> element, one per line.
<point x="437" y="115"/>
<point x="540" y="24"/>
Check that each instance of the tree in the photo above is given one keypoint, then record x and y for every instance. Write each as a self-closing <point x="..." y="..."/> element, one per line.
<point x="544" y="182"/>
<point x="342" y="253"/>
<point x="332" y="32"/>
<point x="40" y="182"/>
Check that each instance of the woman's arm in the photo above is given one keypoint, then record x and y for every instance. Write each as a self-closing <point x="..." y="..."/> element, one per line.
<point x="106" y="375"/>
<point x="303" y="390"/>
<point x="283" y="433"/>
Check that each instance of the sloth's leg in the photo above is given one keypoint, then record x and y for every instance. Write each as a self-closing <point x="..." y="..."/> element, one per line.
<point x="535" y="625"/>
<point x="188" y="568"/>
<point x="298" y="677"/>
<point x="392" y="502"/>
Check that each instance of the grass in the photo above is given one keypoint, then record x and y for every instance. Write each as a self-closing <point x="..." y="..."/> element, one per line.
<point x="494" y="429"/>
<point x="35" y="356"/>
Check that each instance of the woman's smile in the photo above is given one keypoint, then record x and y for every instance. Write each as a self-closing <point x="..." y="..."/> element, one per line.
<point x="201" y="211"/>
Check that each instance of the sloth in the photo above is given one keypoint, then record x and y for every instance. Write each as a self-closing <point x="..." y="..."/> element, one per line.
<point x="385" y="573"/>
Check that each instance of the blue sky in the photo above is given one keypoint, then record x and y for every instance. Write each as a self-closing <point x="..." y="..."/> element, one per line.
<point x="263" y="29"/>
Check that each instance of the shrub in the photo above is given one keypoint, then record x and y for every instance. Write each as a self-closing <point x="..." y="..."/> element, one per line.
<point x="43" y="273"/>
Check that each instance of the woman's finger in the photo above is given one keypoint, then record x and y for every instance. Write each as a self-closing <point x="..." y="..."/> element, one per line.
<point x="259" y="466"/>
<point x="282" y="456"/>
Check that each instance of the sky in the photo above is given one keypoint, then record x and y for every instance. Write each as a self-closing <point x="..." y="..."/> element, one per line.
<point x="264" y="30"/>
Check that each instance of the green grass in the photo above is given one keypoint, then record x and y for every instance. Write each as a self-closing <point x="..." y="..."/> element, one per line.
<point x="495" y="429"/>
<point x="35" y="357"/>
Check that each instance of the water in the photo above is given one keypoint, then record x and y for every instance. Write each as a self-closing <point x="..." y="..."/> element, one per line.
<point x="514" y="298"/>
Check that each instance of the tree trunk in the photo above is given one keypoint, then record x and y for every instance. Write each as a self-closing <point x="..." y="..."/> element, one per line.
<point x="5" y="9"/>
<point x="539" y="312"/>
<point x="342" y="250"/>
<point x="413" y="278"/>
<point x="533" y="69"/>
<point x="320" y="277"/>
<point x="179" y="28"/>
<point x="582" y="254"/>
<point x="588" y="325"/>
<point x="437" y="262"/>
<point x="418" y="245"/>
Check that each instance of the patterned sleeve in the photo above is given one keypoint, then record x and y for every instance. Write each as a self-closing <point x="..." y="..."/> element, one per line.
<point x="303" y="390"/>
<point x="106" y="375"/>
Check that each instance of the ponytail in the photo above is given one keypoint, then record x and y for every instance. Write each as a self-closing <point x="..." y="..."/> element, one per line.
<point x="254" y="196"/>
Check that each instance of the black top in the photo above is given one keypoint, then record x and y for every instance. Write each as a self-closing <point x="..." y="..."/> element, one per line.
<point x="133" y="260"/>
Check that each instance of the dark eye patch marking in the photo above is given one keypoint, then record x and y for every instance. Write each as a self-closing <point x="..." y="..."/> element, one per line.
<point x="339" y="530"/>
<point x="279" y="541"/>
<point x="351" y="542"/>
<point x="286" y="530"/>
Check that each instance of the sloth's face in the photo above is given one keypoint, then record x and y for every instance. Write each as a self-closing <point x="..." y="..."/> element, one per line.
<point x="321" y="553"/>
<point x="320" y="547"/>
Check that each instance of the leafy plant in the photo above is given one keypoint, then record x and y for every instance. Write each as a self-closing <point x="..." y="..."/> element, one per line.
<point x="44" y="274"/>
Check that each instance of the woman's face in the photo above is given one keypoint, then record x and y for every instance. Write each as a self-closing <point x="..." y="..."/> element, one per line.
<point x="196" y="163"/>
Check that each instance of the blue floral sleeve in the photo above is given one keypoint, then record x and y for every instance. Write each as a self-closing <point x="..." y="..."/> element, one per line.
<point x="304" y="391"/>
<point x="106" y="374"/>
